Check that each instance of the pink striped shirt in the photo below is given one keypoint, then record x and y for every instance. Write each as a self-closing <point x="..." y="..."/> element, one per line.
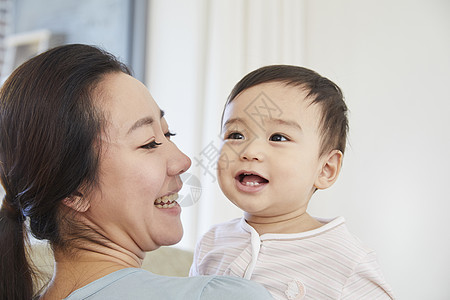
<point x="325" y="263"/>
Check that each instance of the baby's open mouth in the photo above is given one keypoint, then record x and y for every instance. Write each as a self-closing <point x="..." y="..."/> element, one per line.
<point x="250" y="179"/>
<point x="166" y="201"/>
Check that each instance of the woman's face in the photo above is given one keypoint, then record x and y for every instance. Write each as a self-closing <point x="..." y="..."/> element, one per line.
<point x="139" y="170"/>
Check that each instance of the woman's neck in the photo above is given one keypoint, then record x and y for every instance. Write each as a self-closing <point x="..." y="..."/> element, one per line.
<point x="291" y="223"/>
<point x="83" y="266"/>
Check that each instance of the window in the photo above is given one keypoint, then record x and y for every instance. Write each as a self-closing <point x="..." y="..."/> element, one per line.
<point x="5" y="28"/>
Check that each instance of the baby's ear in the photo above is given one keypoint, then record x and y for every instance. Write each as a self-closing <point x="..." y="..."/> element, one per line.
<point x="331" y="166"/>
<point x="77" y="202"/>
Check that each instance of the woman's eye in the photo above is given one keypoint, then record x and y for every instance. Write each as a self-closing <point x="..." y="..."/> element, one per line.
<point x="278" y="138"/>
<point x="235" y="136"/>
<point x="151" y="145"/>
<point x="169" y="134"/>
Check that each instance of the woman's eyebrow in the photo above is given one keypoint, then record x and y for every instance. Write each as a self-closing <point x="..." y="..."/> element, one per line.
<point x="144" y="122"/>
<point x="139" y="123"/>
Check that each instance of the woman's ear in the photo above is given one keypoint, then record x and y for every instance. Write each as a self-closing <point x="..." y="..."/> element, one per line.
<point x="329" y="173"/>
<point x="77" y="202"/>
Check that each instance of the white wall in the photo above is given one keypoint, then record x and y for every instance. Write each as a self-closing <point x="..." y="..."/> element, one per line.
<point x="392" y="60"/>
<point x="176" y="42"/>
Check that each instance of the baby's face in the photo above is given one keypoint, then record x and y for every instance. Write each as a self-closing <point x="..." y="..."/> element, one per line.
<point x="270" y="160"/>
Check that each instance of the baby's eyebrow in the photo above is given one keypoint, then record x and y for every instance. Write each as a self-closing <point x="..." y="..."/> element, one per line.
<point x="277" y="121"/>
<point x="232" y="121"/>
<point x="289" y="123"/>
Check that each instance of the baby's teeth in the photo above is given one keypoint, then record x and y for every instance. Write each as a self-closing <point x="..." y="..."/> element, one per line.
<point x="250" y="183"/>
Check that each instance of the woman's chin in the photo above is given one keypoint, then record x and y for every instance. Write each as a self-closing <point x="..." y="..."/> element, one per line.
<point x="172" y="237"/>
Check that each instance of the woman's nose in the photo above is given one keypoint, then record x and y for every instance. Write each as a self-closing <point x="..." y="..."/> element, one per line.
<point x="178" y="162"/>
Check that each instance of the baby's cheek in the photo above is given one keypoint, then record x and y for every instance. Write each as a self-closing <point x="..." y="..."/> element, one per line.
<point x="223" y="163"/>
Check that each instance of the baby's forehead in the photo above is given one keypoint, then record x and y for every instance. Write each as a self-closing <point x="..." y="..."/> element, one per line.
<point x="273" y="92"/>
<point x="273" y="99"/>
<point x="269" y="112"/>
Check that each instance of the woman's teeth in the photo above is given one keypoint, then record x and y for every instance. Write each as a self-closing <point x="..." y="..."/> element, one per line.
<point x="166" y="201"/>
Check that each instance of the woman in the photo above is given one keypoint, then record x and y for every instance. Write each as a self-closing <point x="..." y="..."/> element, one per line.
<point x="86" y="157"/>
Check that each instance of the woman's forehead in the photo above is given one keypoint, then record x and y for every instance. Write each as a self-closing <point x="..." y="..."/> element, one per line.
<point x="127" y="103"/>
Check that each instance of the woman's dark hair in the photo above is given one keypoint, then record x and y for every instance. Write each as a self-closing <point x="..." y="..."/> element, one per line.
<point x="321" y="91"/>
<point x="49" y="126"/>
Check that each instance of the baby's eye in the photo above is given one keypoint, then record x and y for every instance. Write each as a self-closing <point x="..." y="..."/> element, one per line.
<point x="151" y="145"/>
<point x="169" y="134"/>
<point x="278" y="138"/>
<point x="235" y="136"/>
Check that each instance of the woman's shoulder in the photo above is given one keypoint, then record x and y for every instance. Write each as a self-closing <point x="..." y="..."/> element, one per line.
<point x="227" y="287"/>
<point x="134" y="283"/>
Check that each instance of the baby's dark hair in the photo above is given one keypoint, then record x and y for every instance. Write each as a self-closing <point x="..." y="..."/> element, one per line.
<point x="321" y="91"/>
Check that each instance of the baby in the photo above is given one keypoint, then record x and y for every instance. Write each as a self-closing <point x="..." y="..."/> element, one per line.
<point x="284" y="131"/>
